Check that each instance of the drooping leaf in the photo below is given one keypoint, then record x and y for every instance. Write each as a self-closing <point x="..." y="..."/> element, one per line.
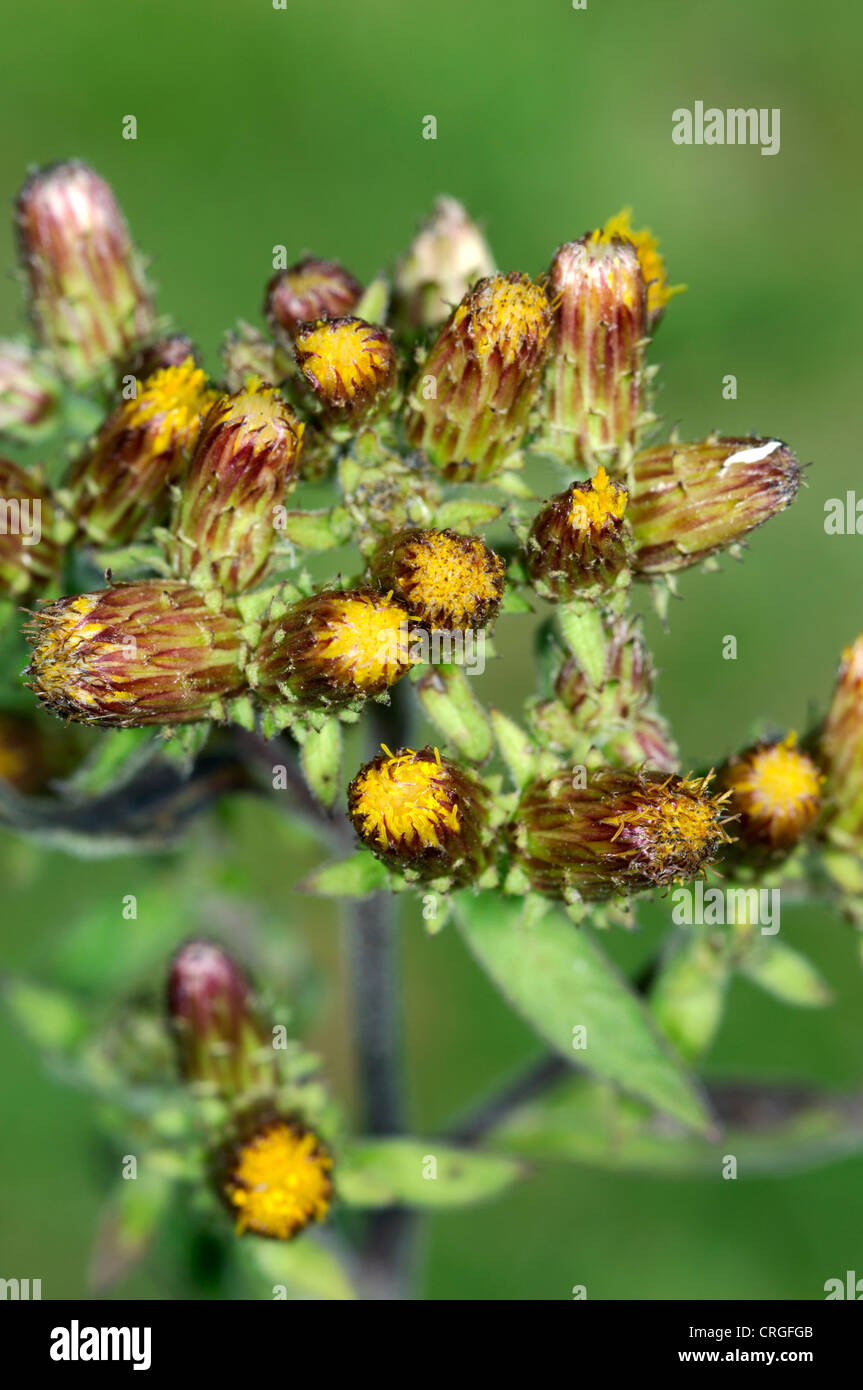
<point x="688" y="996"/>
<point x="785" y="973"/>
<point x="555" y="975"/>
<point x="586" y="1122"/>
<point x="128" y="1224"/>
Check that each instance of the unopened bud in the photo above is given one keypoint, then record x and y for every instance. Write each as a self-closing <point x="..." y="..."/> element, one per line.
<point x="310" y="290"/>
<point x="221" y="1041"/>
<point x="577" y="545"/>
<point x="443" y="262"/>
<point x="446" y="580"/>
<point x="29" y="391"/>
<point x="688" y="501"/>
<point x="349" y="366"/>
<point x="88" y="294"/>
<point x="153" y="652"/>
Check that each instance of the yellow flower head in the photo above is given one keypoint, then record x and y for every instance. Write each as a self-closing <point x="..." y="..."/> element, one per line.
<point x="776" y="792"/>
<point x="445" y="579"/>
<point x="420" y="811"/>
<point x="173" y="401"/>
<point x="334" y="648"/>
<point x="279" y="1180"/>
<point x="506" y="313"/>
<point x="673" y="824"/>
<point x="597" y="506"/>
<point x="348" y="363"/>
<point x="652" y="265"/>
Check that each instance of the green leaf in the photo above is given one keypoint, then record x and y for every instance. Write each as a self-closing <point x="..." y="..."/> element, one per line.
<point x="558" y="979"/>
<point x="420" y="1173"/>
<point x="128" y="1224"/>
<point x="116" y="758"/>
<point x="304" y="1268"/>
<point x="446" y="696"/>
<point x="321" y="758"/>
<point x="466" y="514"/>
<point x="589" y="1123"/>
<point x="51" y="1018"/>
<point x="517" y="748"/>
<point x="785" y="973"/>
<point x="358" y="876"/>
<point x="311" y="530"/>
<point x="688" y="997"/>
<point x="106" y="948"/>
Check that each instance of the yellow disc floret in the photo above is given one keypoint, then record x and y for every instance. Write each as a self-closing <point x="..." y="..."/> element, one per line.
<point x="405" y="801"/>
<point x="173" y="400"/>
<point x="673" y="824"/>
<point x="508" y="313"/>
<point x="279" y="1181"/>
<point x="446" y="580"/>
<point x="599" y="505"/>
<point x="365" y="640"/>
<point x="776" y="791"/>
<point x="652" y="265"/>
<point x="64" y="656"/>
<point x="347" y="362"/>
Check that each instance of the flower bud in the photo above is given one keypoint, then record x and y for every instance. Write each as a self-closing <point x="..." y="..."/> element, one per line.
<point x="577" y="545"/>
<point x="30" y="557"/>
<point x="443" y="262"/>
<point x="334" y="649"/>
<point x="775" y="795"/>
<point x="595" y="386"/>
<point x="422" y="814"/>
<point x="221" y="1042"/>
<point x="349" y="365"/>
<point x="274" y="1178"/>
<point x="225" y="521"/>
<point x="246" y="353"/>
<point x="620" y="833"/>
<point x="154" y="652"/>
<point x="88" y="294"/>
<point x="688" y="501"/>
<point x="29" y="391"/>
<point x="445" y="579"/>
<point x="841" y="753"/>
<point x="310" y="290"/>
<point x="172" y="351"/>
<point x="122" y="482"/>
<point x="659" y="292"/>
<point x="471" y="399"/>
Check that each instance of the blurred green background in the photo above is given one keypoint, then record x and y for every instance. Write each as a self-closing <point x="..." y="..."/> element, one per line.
<point x="303" y="126"/>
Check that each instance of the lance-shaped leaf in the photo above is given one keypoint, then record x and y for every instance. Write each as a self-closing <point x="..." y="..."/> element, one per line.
<point x="321" y="757"/>
<point x="128" y="1224"/>
<point x="447" y="698"/>
<point x="558" y="979"/>
<point x="298" y="1269"/>
<point x="785" y="973"/>
<point x="358" y="876"/>
<point x="688" y="996"/>
<point x="420" y="1173"/>
<point x="767" y="1130"/>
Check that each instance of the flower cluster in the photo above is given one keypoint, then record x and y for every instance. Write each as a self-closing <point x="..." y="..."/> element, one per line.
<point x="422" y="406"/>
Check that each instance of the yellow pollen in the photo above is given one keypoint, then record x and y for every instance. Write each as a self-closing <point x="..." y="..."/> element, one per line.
<point x="367" y="638"/>
<point x="446" y="578"/>
<point x="506" y="314"/>
<point x="260" y="409"/>
<point x="680" y="823"/>
<point x="599" y="506"/>
<point x="64" y="654"/>
<point x="347" y="357"/>
<point x="406" y="802"/>
<point x="280" y="1182"/>
<point x="647" y="248"/>
<point x="174" y="398"/>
